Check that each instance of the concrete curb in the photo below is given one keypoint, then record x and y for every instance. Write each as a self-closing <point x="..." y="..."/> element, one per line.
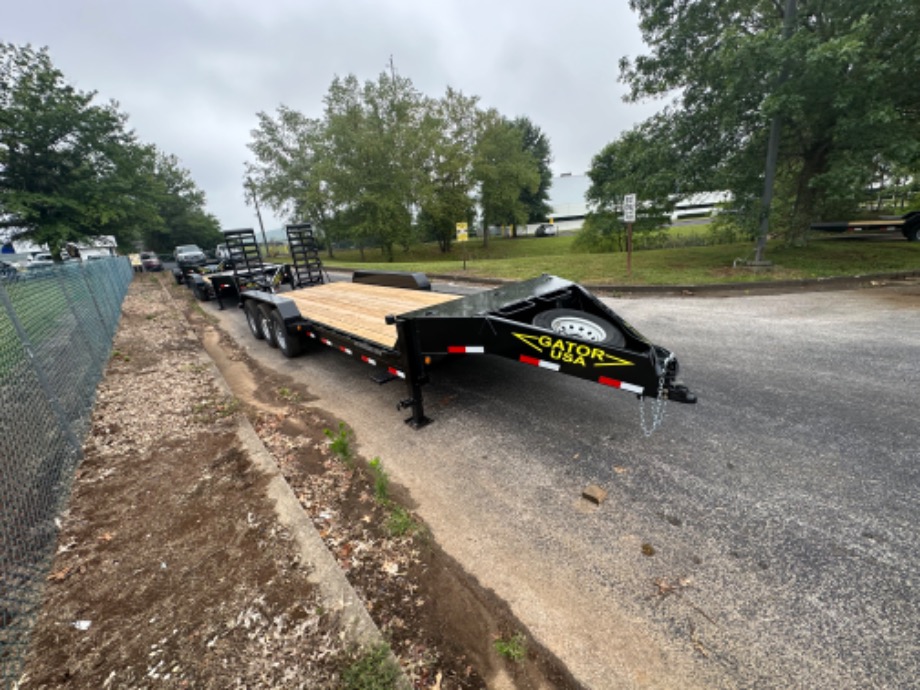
<point x="337" y="594"/>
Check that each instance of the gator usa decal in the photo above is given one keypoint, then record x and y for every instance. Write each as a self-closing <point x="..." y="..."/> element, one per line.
<point x="571" y="352"/>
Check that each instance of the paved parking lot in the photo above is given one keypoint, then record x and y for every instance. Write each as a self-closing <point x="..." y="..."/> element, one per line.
<point x="763" y="538"/>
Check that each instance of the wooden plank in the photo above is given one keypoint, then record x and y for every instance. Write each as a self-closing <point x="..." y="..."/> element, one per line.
<point x="361" y="309"/>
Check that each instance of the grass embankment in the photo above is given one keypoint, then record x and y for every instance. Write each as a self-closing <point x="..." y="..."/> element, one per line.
<point x="517" y="259"/>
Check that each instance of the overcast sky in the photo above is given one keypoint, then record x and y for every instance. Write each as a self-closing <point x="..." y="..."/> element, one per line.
<point x="192" y="74"/>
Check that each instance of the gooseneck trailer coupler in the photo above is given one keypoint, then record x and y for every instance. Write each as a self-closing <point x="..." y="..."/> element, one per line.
<point x="547" y="322"/>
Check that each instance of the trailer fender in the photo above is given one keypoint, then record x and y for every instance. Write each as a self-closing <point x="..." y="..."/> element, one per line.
<point x="394" y="279"/>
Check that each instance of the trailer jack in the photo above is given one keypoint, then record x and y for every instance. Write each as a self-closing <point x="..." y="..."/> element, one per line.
<point x="418" y="418"/>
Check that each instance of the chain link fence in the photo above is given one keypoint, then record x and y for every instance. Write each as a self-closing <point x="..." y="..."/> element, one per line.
<point x="57" y="325"/>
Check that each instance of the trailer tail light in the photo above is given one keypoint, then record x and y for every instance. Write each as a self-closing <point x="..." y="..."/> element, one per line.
<point x="622" y="385"/>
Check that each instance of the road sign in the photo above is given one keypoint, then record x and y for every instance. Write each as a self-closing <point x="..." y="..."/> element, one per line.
<point x="629" y="208"/>
<point x="462" y="235"/>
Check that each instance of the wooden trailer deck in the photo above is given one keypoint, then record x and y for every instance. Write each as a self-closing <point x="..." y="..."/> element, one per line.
<point x="362" y="309"/>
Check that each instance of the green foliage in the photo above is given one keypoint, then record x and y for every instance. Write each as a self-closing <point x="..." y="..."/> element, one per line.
<point x="381" y="481"/>
<point x="513" y="648"/>
<point x="386" y="166"/>
<point x="340" y="443"/>
<point x="838" y="85"/>
<point x="372" y="670"/>
<point x="71" y="169"/>
<point x="535" y="142"/>
<point x="400" y="522"/>
<point x="503" y="169"/>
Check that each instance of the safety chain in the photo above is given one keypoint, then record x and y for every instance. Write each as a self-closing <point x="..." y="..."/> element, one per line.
<point x="657" y="405"/>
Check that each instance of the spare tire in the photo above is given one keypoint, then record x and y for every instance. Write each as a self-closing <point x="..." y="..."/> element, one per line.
<point x="580" y="325"/>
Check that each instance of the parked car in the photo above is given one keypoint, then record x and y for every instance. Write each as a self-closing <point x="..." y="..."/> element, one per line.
<point x="545" y="230"/>
<point x="41" y="259"/>
<point x="151" y="262"/>
<point x="189" y="255"/>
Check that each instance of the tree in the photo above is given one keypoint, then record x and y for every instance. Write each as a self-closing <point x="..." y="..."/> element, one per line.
<point x="535" y="142"/>
<point x="448" y="138"/>
<point x="371" y="132"/>
<point x="640" y="162"/>
<point x="504" y="169"/>
<point x="179" y="204"/>
<point x="840" y="85"/>
<point x="68" y="168"/>
<point x="291" y="152"/>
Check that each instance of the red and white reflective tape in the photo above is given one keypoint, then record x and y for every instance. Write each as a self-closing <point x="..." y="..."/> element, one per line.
<point x="311" y="334"/>
<point x="622" y="385"/>
<point x="364" y="358"/>
<point x="465" y="349"/>
<point x="533" y="361"/>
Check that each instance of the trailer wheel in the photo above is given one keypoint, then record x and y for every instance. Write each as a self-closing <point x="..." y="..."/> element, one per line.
<point x="253" y="319"/>
<point x="580" y="326"/>
<point x="265" y="324"/>
<point x="913" y="234"/>
<point x="289" y="343"/>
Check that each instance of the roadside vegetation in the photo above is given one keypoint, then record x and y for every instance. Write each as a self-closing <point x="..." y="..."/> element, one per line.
<point x="517" y="259"/>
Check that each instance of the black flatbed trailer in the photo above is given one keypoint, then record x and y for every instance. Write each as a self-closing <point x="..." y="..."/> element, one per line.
<point x="547" y="322"/>
<point x="227" y="285"/>
<point x="908" y="225"/>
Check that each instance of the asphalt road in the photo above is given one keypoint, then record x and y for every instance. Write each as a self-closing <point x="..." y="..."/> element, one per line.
<point x="765" y="537"/>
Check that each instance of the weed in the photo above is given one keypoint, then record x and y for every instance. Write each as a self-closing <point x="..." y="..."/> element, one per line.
<point x="287" y="394"/>
<point x="372" y="670"/>
<point x="340" y="443"/>
<point x="401" y="523"/>
<point x="381" y="481"/>
<point x="513" y="648"/>
<point x="118" y="354"/>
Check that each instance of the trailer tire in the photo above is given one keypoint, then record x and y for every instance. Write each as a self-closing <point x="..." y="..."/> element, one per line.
<point x="580" y="325"/>
<point x="913" y="234"/>
<point x="290" y="344"/>
<point x="253" y="319"/>
<point x="265" y="323"/>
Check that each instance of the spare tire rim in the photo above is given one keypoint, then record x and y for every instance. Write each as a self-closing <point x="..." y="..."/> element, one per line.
<point x="576" y="327"/>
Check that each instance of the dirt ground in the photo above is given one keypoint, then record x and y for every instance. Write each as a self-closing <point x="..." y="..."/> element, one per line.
<point x="172" y="569"/>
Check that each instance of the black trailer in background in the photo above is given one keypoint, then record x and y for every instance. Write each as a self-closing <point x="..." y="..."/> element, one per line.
<point x="908" y="225"/>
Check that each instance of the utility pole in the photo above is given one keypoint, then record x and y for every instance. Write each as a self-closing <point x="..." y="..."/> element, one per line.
<point x="255" y="200"/>
<point x="773" y="150"/>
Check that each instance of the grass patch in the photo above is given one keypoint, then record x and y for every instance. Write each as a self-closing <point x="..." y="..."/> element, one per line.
<point x="513" y="648"/>
<point x="340" y="443"/>
<point x="372" y="670"/>
<point x="523" y="258"/>
<point x="288" y="395"/>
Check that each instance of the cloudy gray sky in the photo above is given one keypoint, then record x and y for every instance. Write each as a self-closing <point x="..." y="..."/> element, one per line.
<point x="192" y="74"/>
